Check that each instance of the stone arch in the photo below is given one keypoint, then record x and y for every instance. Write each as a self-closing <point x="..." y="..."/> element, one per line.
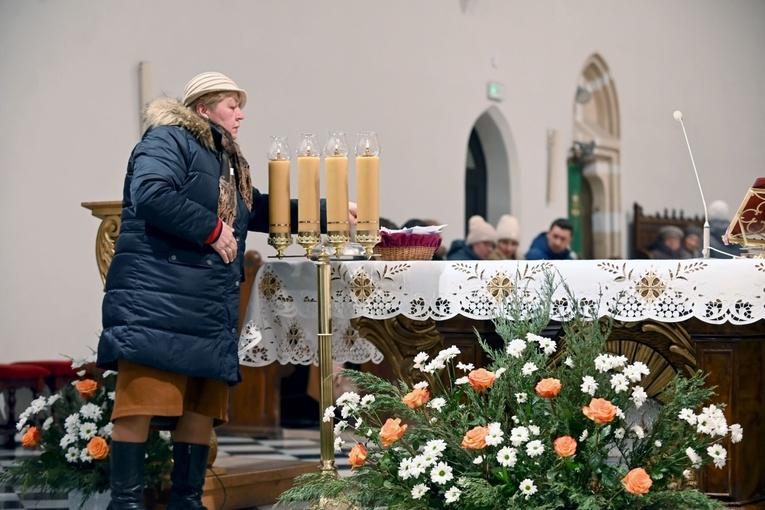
<point x="501" y="157"/>
<point x="596" y="119"/>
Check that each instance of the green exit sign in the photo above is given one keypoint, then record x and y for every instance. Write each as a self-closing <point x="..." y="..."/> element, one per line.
<point x="495" y="91"/>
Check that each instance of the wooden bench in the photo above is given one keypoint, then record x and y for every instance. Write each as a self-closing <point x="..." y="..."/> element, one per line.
<point x="645" y="229"/>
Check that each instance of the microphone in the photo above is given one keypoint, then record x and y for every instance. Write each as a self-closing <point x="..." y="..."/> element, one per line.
<point x="705" y="251"/>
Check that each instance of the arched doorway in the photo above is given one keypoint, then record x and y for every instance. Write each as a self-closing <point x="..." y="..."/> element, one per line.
<point x="596" y="121"/>
<point x="488" y="187"/>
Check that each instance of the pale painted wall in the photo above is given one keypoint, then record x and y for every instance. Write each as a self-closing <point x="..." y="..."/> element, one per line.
<point x="414" y="71"/>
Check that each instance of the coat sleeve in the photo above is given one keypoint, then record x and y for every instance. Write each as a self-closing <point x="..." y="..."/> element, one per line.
<point x="160" y="166"/>
<point x="259" y="214"/>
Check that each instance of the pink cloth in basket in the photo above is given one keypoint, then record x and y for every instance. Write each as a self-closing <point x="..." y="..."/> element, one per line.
<point x="403" y="239"/>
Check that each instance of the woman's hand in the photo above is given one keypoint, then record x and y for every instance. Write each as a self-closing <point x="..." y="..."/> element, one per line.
<point x="226" y="244"/>
<point x="352" y="213"/>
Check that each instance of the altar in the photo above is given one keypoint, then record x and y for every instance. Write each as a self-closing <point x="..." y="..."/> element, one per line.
<point x="677" y="316"/>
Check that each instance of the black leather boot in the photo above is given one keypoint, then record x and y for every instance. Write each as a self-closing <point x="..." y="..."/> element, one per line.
<point x="126" y="479"/>
<point x="189" y="469"/>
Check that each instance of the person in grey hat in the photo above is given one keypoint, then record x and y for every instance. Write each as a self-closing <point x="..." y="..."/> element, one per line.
<point x="171" y="301"/>
<point x="668" y="244"/>
<point x="691" y="248"/>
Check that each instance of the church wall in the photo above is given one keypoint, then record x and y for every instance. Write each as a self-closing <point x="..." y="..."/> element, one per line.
<point x="415" y="72"/>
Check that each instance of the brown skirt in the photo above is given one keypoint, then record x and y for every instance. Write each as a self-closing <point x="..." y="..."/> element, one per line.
<point x="147" y="391"/>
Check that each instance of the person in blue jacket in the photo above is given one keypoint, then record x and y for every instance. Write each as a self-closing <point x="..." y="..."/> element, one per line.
<point x="553" y="244"/>
<point x="479" y="244"/>
<point x="170" y="308"/>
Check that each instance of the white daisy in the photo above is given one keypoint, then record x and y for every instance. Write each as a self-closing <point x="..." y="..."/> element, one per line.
<point x="694" y="457"/>
<point x="688" y="416"/>
<point x="736" y="433"/>
<point x="437" y="403"/>
<point x="718" y="454"/>
<point x="452" y="495"/>
<point x="435" y="446"/>
<point x="528" y="488"/>
<point x="521" y="398"/>
<point x="507" y="456"/>
<point x="639" y="396"/>
<point x="329" y="414"/>
<point x="516" y="347"/>
<point x="467" y="367"/>
<point x="441" y="473"/>
<point x="72" y="454"/>
<point x="529" y="368"/>
<point x="419" y="360"/>
<point x="589" y="385"/>
<point x="419" y="490"/>
<point x="619" y="383"/>
<point x="519" y="435"/>
<point x="535" y="448"/>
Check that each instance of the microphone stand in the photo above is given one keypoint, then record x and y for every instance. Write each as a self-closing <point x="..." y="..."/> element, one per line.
<point x="706" y="252"/>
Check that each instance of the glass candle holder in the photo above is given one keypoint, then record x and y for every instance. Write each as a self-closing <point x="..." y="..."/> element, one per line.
<point x="367" y="190"/>
<point x="308" y="156"/>
<point x="279" y="235"/>
<point x="336" y="168"/>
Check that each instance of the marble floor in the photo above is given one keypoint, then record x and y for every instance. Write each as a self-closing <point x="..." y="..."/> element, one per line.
<point x="294" y="445"/>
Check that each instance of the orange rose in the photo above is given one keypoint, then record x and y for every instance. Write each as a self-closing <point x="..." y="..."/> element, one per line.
<point x="392" y="431"/>
<point x="637" y="481"/>
<point x="600" y="411"/>
<point x="481" y="379"/>
<point x="31" y="437"/>
<point x="565" y="446"/>
<point x="87" y="388"/>
<point x="548" y="388"/>
<point x="416" y="398"/>
<point x="357" y="456"/>
<point x="475" y="439"/>
<point x="97" y="448"/>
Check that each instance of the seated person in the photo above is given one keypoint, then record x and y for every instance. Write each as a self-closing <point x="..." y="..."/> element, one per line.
<point x="668" y="244"/>
<point x="508" y="235"/>
<point x="479" y="244"/>
<point x="553" y="244"/>
<point x="692" y="243"/>
<point x="719" y="219"/>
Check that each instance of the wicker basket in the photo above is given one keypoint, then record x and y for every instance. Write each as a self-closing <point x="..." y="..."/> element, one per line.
<point x="405" y="252"/>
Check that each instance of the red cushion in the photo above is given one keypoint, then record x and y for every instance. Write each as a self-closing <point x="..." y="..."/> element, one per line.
<point x="62" y="367"/>
<point x="22" y="371"/>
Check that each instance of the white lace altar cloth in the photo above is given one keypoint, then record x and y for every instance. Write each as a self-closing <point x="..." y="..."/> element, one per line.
<point x="281" y="323"/>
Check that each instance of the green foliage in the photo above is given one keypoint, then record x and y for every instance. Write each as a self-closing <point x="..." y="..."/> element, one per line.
<point x="479" y="440"/>
<point x="67" y="422"/>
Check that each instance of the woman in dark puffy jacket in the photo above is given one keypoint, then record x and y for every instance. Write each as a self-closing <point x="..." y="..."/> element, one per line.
<point x="170" y="310"/>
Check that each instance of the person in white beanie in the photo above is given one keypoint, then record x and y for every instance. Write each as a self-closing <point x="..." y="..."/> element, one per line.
<point x="479" y="244"/>
<point x="508" y="238"/>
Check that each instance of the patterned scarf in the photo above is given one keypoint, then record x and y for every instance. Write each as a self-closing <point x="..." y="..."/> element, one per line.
<point x="234" y="173"/>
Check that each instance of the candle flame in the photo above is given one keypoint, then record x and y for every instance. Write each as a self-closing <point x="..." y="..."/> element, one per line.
<point x="366" y="152"/>
<point x="308" y="151"/>
<point x="337" y="150"/>
<point x="278" y="154"/>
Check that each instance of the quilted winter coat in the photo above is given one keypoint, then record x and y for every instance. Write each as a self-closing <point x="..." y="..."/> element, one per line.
<point x="170" y="301"/>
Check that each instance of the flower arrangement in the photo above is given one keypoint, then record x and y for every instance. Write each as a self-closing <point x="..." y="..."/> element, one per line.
<point x="546" y="425"/>
<point x="72" y="431"/>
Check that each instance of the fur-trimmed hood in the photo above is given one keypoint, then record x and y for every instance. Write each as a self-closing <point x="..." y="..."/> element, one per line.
<point x="166" y="111"/>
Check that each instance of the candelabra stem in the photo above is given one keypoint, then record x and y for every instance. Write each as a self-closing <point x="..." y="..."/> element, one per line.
<point x="323" y="269"/>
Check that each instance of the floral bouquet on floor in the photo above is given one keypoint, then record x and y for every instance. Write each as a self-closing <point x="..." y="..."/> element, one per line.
<point x="72" y="431"/>
<point x="546" y="425"/>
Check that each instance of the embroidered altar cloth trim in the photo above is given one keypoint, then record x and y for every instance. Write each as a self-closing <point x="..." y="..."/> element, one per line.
<point x="281" y="322"/>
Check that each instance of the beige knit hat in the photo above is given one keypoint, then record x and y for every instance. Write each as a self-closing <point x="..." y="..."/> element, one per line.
<point x="211" y="81"/>
<point x="508" y="228"/>
<point x="479" y="230"/>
